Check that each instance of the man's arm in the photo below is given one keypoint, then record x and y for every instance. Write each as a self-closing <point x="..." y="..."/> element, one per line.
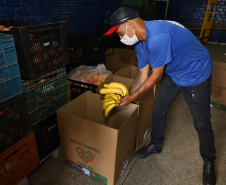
<point x="139" y="80"/>
<point x="148" y="83"/>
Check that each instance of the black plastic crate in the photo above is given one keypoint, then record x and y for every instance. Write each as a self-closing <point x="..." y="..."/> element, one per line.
<point x="14" y="121"/>
<point x="47" y="136"/>
<point x="45" y="94"/>
<point x="85" y="50"/>
<point x="41" y="47"/>
<point x="77" y="88"/>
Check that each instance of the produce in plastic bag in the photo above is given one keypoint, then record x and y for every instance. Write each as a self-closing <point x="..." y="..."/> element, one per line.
<point x="90" y="74"/>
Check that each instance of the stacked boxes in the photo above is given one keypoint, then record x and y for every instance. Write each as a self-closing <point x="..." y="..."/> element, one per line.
<point x="118" y="58"/>
<point x="146" y="103"/>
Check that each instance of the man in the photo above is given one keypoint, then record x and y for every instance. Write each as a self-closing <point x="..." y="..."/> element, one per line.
<point x="182" y="64"/>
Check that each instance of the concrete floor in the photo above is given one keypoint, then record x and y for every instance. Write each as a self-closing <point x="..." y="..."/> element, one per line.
<point x="179" y="163"/>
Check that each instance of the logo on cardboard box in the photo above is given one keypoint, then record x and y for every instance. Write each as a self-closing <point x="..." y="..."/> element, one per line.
<point x="86" y="156"/>
<point x="85" y="152"/>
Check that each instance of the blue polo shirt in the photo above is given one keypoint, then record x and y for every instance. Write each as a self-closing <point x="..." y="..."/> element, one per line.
<point x="169" y="43"/>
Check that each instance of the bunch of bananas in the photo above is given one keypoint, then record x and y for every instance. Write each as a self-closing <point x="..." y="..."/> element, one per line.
<point x="113" y="93"/>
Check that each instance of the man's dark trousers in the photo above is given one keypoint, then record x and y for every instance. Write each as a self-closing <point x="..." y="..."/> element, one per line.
<point x="198" y="100"/>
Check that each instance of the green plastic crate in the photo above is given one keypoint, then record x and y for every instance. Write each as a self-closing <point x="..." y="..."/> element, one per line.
<point x="45" y="94"/>
<point x="136" y="2"/>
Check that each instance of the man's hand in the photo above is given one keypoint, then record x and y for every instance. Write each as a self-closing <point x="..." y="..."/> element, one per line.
<point x="148" y="83"/>
<point x="139" y="80"/>
<point x="126" y="100"/>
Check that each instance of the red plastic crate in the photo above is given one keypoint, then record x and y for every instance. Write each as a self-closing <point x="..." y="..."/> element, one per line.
<point x="18" y="161"/>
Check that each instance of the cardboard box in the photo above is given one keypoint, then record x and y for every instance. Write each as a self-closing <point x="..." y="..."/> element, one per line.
<point x="146" y="103"/>
<point x="130" y="71"/>
<point x="218" y="96"/>
<point x="118" y="58"/>
<point x="97" y="146"/>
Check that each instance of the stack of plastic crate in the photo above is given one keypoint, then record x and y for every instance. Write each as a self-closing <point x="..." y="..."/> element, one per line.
<point x="42" y="50"/>
<point x="44" y="95"/>
<point x="18" y="151"/>
<point x="14" y="122"/>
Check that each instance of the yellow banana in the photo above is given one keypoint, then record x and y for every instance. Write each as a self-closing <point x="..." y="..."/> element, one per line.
<point x="111" y="90"/>
<point x="105" y="85"/>
<point x="112" y="96"/>
<point x="106" y="104"/>
<point x="109" y="108"/>
<point x="108" y="96"/>
<point x="118" y="85"/>
<point x="119" y="97"/>
<point x="107" y="99"/>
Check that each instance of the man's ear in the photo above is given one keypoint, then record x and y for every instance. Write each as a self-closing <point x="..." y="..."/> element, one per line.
<point x="131" y="24"/>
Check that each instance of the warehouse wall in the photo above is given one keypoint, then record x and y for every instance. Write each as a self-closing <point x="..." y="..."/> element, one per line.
<point x="81" y="15"/>
<point x="193" y="12"/>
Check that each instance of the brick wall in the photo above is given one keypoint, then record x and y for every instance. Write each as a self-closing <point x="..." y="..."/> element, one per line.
<point x="193" y="12"/>
<point x="81" y="15"/>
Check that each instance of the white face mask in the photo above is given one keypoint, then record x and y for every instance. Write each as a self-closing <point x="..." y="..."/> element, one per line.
<point x="129" y="41"/>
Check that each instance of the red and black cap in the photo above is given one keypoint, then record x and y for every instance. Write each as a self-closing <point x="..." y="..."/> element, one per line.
<point x="119" y="17"/>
